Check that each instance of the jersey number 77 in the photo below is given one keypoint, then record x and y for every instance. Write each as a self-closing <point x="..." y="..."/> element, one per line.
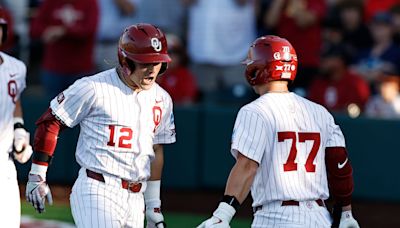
<point x="290" y="164"/>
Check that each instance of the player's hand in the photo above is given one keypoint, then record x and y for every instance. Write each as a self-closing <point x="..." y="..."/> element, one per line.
<point x="22" y="151"/>
<point x="21" y="139"/>
<point x="154" y="218"/>
<point x="221" y="217"/>
<point x="347" y="220"/>
<point x="37" y="191"/>
<point x="214" y="222"/>
<point x="24" y="155"/>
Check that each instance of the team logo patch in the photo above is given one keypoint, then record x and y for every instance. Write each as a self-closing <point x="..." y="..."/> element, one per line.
<point x="156" y="44"/>
<point x="13" y="90"/>
<point x="277" y="56"/>
<point x="60" y="97"/>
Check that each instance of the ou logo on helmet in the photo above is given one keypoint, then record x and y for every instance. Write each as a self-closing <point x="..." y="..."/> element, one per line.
<point x="156" y="44"/>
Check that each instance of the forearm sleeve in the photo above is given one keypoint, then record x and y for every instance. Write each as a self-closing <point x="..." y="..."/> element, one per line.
<point x="340" y="174"/>
<point x="46" y="134"/>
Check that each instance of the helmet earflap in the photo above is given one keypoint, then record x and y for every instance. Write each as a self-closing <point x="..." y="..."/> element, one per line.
<point x="123" y="63"/>
<point x="164" y="67"/>
<point x="4" y="26"/>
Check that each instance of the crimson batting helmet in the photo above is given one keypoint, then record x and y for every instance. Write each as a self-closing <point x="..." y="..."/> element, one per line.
<point x="3" y="24"/>
<point x="270" y="58"/>
<point x="143" y="43"/>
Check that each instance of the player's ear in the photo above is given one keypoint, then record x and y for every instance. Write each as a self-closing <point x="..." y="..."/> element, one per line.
<point x="126" y="70"/>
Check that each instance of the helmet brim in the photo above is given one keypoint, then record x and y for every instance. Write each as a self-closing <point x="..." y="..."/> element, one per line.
<point x="149" y="58"/>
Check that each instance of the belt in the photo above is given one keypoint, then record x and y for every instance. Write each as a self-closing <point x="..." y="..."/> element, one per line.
<point x="132" y="186"/>
<point x="320" y="203"/>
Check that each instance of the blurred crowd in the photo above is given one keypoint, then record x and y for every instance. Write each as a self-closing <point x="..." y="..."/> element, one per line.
<point x="348" y="50"/>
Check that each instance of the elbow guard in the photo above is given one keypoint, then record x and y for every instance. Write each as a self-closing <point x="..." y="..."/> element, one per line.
<point x="340" y="174"/>
<point x="46" y="134"/>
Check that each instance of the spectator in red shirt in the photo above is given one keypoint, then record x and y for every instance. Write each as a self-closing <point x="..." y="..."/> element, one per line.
<point x="178" y="81"/>
<point x="337" y="87"/>
<point x="67" y="29"/>
<point x="372" y="7"/>
<point x="299" y="21"/>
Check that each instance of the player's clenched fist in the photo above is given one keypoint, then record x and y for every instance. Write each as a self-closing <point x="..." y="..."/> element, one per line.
<point x="347" y="220"/>
<point x="37" y="191"/>
<point x="22" y="151"/>
<point x="221" y="217"/>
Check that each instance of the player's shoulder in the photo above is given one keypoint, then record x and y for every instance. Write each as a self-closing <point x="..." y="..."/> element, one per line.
<point x="253" y="108"/>
<point x="12" y="62"/>
<point x="98" y="78"/>
<point x="102" y="76"/>
<point x="161" y="93"/>
<point x="316" y="108"/>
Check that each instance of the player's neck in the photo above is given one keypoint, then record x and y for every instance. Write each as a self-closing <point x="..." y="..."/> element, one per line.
<point x="127" y="82"/>
<point x="272" y="87"/>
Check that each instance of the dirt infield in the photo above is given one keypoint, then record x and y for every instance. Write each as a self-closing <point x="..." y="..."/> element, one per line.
<point x="369" y="214"/>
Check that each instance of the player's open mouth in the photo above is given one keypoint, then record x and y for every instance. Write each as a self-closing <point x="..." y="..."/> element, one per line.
<point x="148" y="79"/>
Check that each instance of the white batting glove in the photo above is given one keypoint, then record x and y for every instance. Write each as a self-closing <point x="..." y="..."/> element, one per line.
<point x="221" y="217"/>
<point x="37" y="189"/>
<point x="347" y="220"/>
<point x="154" y="217"/>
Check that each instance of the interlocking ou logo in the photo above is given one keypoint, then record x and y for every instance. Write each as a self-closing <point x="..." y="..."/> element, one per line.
<point x="157" y="115"/>
<point x="13" y="90"/>
<point x="156" y="44"/>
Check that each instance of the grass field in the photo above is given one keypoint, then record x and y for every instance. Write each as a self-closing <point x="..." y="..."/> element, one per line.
<point x="62" y="212"/>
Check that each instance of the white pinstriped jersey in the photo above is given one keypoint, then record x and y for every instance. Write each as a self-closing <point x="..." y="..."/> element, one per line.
<point x="287" y="135"/>
<point x="12" y="81"/>
<point x="118" y="126"/>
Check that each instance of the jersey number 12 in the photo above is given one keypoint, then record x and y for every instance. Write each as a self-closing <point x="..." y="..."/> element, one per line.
<point x="124" y="138"/>
<point x="315" y="137"/>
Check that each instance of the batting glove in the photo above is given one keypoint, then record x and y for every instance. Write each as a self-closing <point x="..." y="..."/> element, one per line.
<point x="37" y="191"/>
<point x="154" y="217"/>
<point x="347" y="220"/>
<point x="221" y="217"/>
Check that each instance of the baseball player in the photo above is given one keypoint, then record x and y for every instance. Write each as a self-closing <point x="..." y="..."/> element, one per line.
<point x="288" y="150"/>
<point x="124" y="119"/>
<point x="14" y="139"/>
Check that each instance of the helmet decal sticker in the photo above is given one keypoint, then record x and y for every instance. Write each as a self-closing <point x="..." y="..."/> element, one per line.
<point x="156" y="44"/>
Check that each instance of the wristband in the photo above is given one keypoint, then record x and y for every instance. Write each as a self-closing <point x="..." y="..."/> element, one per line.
<point x="18" y="123"/>
<point x="40" y="158"/>
<point x="152" y="194"/>
<point x="40" y="170"/>
<point x="232" y="201"/>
